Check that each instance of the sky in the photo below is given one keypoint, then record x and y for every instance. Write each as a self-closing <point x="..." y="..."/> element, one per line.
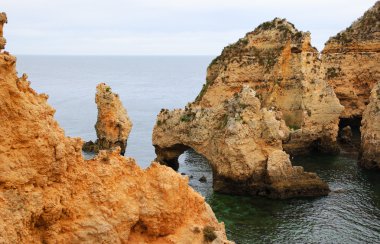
<point x="161" y="27"/>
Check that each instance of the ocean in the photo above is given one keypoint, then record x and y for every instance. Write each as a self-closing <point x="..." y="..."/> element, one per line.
<point x="350" y="214"/>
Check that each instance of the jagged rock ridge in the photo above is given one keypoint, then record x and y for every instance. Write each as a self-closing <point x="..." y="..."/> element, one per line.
<point x="50" y="194"/>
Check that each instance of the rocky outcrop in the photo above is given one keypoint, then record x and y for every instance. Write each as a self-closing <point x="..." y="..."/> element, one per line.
<point x="279" y="62"/>
<point x="113" y="125"/>
<point x="369" y="156"/>
<point x="50" y="194"/>
<point x="243" y="143"/>
<point x="351" y="61"/>
<point x="3" y="20"/>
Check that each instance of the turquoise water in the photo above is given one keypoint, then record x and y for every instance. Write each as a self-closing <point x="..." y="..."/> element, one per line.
<point x="350" y="214"/>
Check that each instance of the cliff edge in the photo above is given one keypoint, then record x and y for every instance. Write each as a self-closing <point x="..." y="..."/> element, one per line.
<point x="279" y="63"/>
<point x="351" y="61"/>
<point x="50" y="194"/>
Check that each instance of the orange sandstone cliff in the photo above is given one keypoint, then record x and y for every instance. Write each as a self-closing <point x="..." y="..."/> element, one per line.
<point x="352" y="64"/>
<point x="279" y="63"/>
<point x="50" y="194"/>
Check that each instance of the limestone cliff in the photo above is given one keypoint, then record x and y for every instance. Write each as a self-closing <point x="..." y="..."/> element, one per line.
<point x="279" y="62"/>
<point x="243" y="143"/>
<point x="351" y="61"/>
<point x="50" y="194"/>
<point x="113" y="125"/>
<point x="3" y="20"/>
<point x="370" y="132"/>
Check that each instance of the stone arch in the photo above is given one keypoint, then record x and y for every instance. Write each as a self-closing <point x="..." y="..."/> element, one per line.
<point x="243" y="144"/>
<point x="169" y="155"/>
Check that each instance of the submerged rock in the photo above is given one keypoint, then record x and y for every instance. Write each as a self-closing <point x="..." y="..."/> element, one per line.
<point x="279" y="62"/>
<point x="113" y="125"/>
<point x="243" y="143"/>
<point x="203" y="179"/>
<point x="351" y="60"/>
<point x="50" y="194"/>
<point x="369" y="156"/>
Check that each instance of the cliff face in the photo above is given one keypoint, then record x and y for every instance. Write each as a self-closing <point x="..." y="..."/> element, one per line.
<point x="243" y="143"/>
<point x="113" y="125"/>
<point x="3" y="20"/>
<point x="351" y="61"/>
<point x="278" y="62"/>
<point x="370" y="132"/>
<point x="50" y="194"/>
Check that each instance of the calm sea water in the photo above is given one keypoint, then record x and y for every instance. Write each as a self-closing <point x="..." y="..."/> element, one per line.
<point x="147" y="84"/>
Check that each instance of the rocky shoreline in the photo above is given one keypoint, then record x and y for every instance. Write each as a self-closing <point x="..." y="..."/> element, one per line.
<point x="268" y="96"/>
<point x="296" y="86"/>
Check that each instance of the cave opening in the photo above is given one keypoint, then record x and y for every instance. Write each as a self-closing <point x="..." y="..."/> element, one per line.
<point x="350" y="137"/>
<point x="353" y="122"/>
<point x="187" y="161"/>
<point x="199" y="171"/>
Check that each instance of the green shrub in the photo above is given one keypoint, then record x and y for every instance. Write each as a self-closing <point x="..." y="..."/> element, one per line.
<point x="186" y="118"/>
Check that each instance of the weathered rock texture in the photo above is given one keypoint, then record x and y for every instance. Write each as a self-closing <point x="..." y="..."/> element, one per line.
<point x="243" y="143"/>
<point x="370" y="132"/>
<point x="351" y="61"/>
<point x="3" y="20"/>
<point x="50" y="194"/>
<point x="279" y="62"/>
<point x="113" y="125"/>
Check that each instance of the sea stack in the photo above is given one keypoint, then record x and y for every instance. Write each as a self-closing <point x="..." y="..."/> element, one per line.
<point x="3" y="20"/>
<point x="351" y="61"/>
<point x="113" y="124"/>
<point x="369" y="156"/>
<point x="50" y="194"/>
<point x="243" y="143"/>
<point x="280" y="64"/>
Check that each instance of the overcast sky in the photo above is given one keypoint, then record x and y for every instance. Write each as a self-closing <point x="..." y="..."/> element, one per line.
<point x="161" y="27"/>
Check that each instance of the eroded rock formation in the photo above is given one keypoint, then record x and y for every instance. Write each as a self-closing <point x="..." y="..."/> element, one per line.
<point x="351" y="61"/>
<point x="3" y="20"/>
<point x="370" y="132"/>
<point x="113" y="125"/>
<point x="50" y="194"/>
<point x="279" y="62"/>
<point x="243" y="143"/>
